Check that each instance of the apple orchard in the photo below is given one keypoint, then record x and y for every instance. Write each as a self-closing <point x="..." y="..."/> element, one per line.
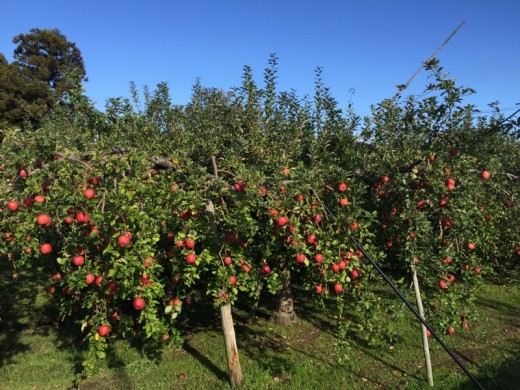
<point x="136" y="214"/>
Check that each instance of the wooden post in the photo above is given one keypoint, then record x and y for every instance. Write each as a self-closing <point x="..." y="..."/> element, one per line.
<point x="234" y="369"/>
<point x="423" y="328"/>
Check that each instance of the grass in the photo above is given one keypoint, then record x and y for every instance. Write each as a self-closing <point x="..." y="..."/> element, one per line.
<point x="37" y="353"/>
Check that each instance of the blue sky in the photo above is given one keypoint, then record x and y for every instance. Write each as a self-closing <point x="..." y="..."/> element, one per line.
<point x="369" y="46"/>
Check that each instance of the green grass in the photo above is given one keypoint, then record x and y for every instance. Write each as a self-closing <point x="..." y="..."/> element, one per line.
<point x="36" y="353"/>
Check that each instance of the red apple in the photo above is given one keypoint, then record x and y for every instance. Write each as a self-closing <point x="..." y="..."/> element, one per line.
<point x="354" y="273"/>
<point x="470" y="246"/>
<point x="450" y="331"/>
<point x="265" y="270"/>
<point x="317" y="218"/>
<point x="485" y="175"/>
<point x="232" y="279"/>
<point x="228" y="260"/>
<point x="89" y="279"/>
<point x="300" y="258"/>
<point x="191" y="258"/>
<point x="318" y="257"/>
<point x="342" y="187"/>
<point x="82" y="217"/>
<point x="190" y="243"/>
<point x="124" y="240"/>
<point x="138" y="303"/>
<point x="78" y="261"/>
<point x="45" y="249"/>
<point x="442" y="285"/>
<point x="451" y="278"/>
<point x="318" y="288"/>
<point x="282" y="221"/>
<point x="12" y="205"/>
<point x="68" y="220"/>
<point x="343" y="202"/>
<point x="338" y="288"/>
<point x="99" y="280"/>
<point x="89" y="193"/>
<point x="354" y="226"/>
<point x="43" y="220"/>
<point x="23" y="173"/>
<point x="104" y="330"/>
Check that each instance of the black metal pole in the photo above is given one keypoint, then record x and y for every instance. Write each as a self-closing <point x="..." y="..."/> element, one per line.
<point x="423" y="321"/>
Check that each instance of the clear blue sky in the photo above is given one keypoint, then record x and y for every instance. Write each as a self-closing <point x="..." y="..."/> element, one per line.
<point x="368" y="45"/>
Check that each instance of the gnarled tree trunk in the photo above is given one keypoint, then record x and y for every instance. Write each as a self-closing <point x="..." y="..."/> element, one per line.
<point x="285" y="314"/>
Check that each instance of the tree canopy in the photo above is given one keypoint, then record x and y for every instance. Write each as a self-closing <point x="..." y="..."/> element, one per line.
<point x="46" y="66"/>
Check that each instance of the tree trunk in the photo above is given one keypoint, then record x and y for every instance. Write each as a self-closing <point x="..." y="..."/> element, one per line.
<point x="235" y="371"/>
<point x="285" y="314"/>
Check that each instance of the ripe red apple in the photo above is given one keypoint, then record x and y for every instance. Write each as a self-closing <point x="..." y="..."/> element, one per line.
<point x="82" y="217"/>
<point x="343" y="202"/>
<point x="318" y="288"/>
<point x="45" y="249"/>
<point x="138" y="303"/>
<point x="99" y="280"/>
<point x="442" y="285"/>
<point x="335" y="267"/>
<point x="68" y="220"/>
<point x="43" y="220"/>
<point x="338" y="288"/>
<point x="342" y="187"/>
<point x="56" y="276"/>
<point x="89" y="193"/>
<point x="191" y="258"/>
<point x="228" y="260"/>
<point x="354" y="273"/>
<point x="282" y="221"/>
<point x="232" y="279"/>
<point x="354" y="226"/>
<point x="246" y="268"/>
<point x="447" y="261"/>
<point x="190" y="243"/>
<point x="39" y="199"/>
<point x="23" y="173"/>
<point x="317" y="218"/>
<point x="12" y="205"/>
<point x="451" y="278"/>
<point x="286" y="171"/>
<point x="298" y="198"/>
<point x="485" y="175"/>
<point x="78" y="261"/>
<point x="450" y="331"/>
<point x="477" y="270"/>
<point x="384" y="179"/>
<point x="124" y="240"/>
<point x="470" y="246"/>
<point x="104" y="330"/>
<point x="89" y="279"/>
<point x="115" y="315"/>
<point x="300" y="258"/>
<point x="318" y="257"/>
<point x="265" y="270"/>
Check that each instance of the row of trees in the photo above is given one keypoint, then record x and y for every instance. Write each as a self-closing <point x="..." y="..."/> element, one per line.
<point x="146" y="207"/>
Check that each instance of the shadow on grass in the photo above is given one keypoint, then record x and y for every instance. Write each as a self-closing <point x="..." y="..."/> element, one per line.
<point x="18" y="311"/>
<point x="506" y="376"/>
